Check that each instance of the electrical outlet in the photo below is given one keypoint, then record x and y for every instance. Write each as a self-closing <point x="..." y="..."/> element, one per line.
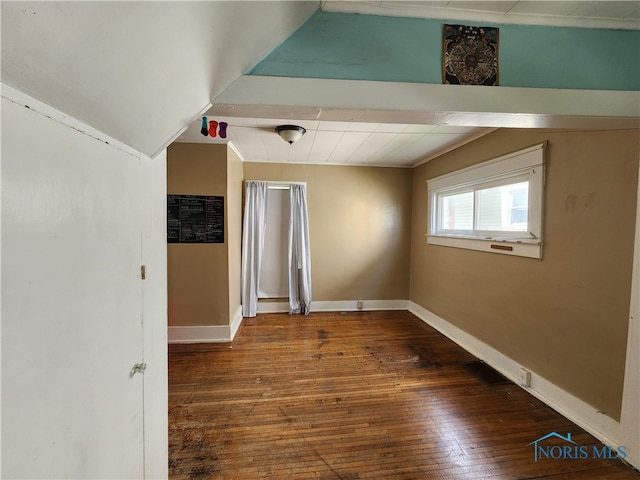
<point x="359" y="304"/>
<point x="525" y="377"/>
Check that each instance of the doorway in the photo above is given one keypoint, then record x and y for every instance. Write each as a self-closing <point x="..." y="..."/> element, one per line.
<point x="281" y="266"/>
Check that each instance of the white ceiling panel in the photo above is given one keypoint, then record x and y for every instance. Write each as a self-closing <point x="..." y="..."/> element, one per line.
<point x="330" y="142"/>
<point x="620" y="10"/>
<point x="395" y="151"/>
<point x="419" y="128"/>
<point x="389" y="128"/>
<point x="551" y="9"/>
<point x="347" y="146"/>
<point x="324" y="143"/>
<point x="498" y="7"/>
<point x="599" y="9"/>
<point x="357" y="126"/>
<point x="588" y="14"/>
<point x="370" y="150"/>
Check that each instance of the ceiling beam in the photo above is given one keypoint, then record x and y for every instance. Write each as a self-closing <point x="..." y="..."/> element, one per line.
<point x="428" y="104"/>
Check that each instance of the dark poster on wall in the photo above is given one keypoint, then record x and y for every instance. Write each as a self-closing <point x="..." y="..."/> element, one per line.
<point x="195" y="219"/>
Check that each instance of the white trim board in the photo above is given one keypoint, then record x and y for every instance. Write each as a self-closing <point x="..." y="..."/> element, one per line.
<point x="429" y="104"/>
<point x="604" y="428"/>
<point x="431" y="10"/>
<point x="226" y="333"/>
<point x="630" y="415"/>
<point x="35" y="105"/>
<point x="206" y="333"/>
<point x="236" y="321"/>
<point x="336" y="306"/>
<point x="199" y="334"/>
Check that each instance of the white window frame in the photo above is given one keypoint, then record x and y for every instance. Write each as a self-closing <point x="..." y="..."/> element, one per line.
<point x="527" y="164"/>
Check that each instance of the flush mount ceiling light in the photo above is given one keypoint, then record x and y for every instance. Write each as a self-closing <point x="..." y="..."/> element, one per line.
<point x="290" y="133"/>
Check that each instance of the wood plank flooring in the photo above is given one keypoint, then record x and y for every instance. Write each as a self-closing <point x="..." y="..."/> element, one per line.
<point x="362" y="395"/>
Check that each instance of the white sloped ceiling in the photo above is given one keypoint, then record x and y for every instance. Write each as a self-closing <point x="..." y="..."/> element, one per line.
<point x="138" y="71"/>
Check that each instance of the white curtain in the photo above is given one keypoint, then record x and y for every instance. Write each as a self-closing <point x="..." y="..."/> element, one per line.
<point x="299" y="253"/>
<point x="253" y="228"/>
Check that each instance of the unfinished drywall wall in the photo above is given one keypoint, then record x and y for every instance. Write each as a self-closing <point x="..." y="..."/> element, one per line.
<point x="566" y="316"/>
<point x="359" y="225"/>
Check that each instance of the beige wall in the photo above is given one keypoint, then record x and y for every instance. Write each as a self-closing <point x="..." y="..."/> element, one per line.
<point x="566" y="316"/>
<point x="234" y="228"/>
<point x="198" y="274"/>
<point x="359" y="226"/>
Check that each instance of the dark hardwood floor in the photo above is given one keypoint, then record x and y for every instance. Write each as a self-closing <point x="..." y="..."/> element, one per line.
<point x="376" y="395"/>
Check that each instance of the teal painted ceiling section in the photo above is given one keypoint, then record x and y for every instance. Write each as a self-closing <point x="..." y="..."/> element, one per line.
<point x="369" y="47"/>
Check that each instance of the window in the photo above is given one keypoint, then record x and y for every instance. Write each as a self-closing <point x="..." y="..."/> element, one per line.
<point x="495" y="206"/>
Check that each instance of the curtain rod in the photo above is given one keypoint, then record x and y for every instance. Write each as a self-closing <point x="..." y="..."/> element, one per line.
<point x="275" y="185"/>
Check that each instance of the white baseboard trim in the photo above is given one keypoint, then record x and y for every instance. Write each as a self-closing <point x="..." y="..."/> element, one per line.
<point x="236" y="321"/>
<point x="351" y="305"/>
<point x="206" y="333"/>
<point x="336" y="306"/>
<point x="586" y="416"/>
<point x="226" y="333"/>
<point x="199" y="334"/>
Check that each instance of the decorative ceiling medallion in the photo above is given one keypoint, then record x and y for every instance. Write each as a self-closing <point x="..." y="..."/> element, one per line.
<point x="470" y="55"/>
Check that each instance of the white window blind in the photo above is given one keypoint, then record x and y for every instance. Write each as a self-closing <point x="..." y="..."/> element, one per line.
<point x="496" y="206"/>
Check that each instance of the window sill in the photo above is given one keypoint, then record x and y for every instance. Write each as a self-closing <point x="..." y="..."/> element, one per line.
<point x="518" y="247"/>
